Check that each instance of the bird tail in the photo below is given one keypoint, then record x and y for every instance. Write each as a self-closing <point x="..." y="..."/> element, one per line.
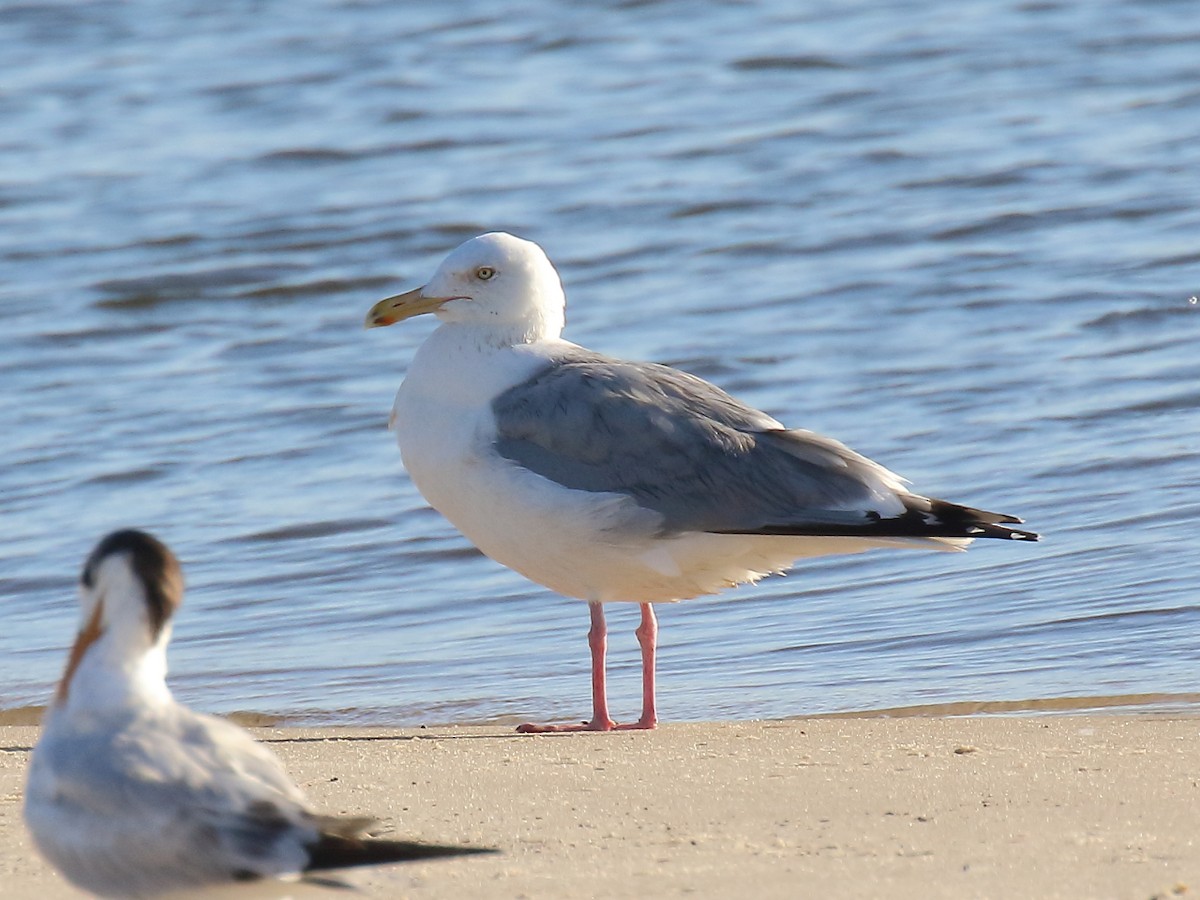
<point x="341" y="845"/>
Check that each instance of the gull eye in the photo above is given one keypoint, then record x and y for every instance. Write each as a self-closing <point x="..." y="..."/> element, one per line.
<point x="483" y="273"/>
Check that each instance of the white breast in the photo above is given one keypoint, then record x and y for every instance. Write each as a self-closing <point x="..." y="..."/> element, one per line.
<point x="564" y="539"/>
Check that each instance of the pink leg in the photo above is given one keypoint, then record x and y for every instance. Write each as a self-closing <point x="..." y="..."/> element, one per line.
<point x="647" y="635"/>
<point x="598" y="642"/>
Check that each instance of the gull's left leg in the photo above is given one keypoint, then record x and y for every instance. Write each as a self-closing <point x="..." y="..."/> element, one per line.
<point x="647" y="635"/>
<point x="598" y="643"/>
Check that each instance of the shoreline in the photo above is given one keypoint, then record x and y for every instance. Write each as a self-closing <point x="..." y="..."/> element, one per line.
<point x="1050" y="806"/>
<point x="1178" y="704"/>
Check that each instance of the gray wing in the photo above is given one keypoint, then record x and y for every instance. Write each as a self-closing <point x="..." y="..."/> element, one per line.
<point x="679" y="446"/>
<point x="703" y="460"/>
<point x="183" y="801"/>
<point x="249" y="806"/>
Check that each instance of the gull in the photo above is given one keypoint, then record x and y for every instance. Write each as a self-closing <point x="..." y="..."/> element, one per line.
<point x="607" y="480"/>
<point x="131" y="794"/>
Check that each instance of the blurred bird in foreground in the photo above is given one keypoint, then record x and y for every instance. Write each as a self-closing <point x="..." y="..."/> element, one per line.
<point x="131" y="794"/>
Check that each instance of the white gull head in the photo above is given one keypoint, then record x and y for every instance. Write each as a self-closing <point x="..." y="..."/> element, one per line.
<point x="494" y="281"/>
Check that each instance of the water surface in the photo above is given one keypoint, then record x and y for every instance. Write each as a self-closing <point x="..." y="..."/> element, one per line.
<point x="960" y="237"/>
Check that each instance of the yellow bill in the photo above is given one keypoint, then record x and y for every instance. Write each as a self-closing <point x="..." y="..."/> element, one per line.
<point x="391" y="310"/>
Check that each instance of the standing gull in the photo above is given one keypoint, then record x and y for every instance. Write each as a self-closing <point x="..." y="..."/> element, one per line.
<point x="610" y="480"/>
<point x="131" y="794"/>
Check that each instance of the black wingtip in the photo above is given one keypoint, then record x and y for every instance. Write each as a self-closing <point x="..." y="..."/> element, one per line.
<point x="923" y="518"/>
<point x="337" y="852"/>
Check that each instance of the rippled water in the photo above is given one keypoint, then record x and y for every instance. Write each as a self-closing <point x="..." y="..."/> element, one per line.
<point x="961" y="237"/>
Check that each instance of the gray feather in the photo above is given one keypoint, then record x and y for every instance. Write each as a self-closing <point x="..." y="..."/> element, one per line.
<point x="679" y="446"/>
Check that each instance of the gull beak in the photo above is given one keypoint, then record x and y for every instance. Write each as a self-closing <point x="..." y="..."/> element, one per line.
<point x="88" y="636"/>
<point x="403" y="306"/>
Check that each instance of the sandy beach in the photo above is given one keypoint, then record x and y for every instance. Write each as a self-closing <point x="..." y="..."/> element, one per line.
<point x="1033" y="807"/>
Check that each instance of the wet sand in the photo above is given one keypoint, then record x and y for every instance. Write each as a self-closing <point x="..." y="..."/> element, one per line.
<point x="914" y="807"/>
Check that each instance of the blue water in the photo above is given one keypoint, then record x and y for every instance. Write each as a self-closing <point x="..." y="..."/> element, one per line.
<point x="963" y="237"/>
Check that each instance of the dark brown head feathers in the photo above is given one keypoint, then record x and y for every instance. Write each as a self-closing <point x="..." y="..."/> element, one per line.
<point x="154" y="565"/>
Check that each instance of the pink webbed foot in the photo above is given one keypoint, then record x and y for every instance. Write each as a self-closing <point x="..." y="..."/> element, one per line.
<point x="607" y="725"/>
<point x="639" y="725"/>
<point x="594" y="725"/>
